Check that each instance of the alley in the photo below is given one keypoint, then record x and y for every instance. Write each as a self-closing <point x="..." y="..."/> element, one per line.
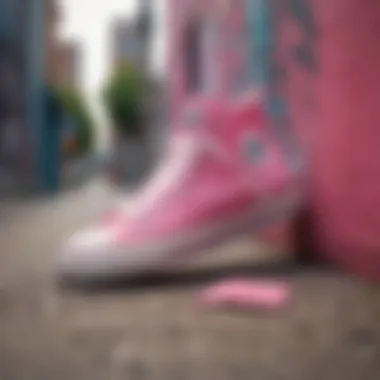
<point x="158" y="331"/>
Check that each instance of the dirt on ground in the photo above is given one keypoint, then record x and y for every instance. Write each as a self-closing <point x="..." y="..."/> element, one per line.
<point x="156" y="329"/>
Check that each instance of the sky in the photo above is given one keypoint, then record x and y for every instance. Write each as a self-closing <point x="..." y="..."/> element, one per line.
<point x="88" y="21"/>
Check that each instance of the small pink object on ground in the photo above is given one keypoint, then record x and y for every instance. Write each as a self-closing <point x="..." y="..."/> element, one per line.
<point x="248" y="294"/>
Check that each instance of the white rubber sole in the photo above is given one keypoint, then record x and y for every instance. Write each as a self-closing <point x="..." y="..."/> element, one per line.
<point x="133" y="261"/>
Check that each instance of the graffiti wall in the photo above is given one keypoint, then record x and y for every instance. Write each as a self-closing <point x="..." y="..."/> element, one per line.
<point x="295" y="64"/>
<point x="209" y="53"/>
<point x="284" y="62"/>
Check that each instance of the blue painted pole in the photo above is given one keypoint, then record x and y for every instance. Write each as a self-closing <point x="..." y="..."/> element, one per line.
<point x="35" y="96"/>
<point x="261" y="40"/>
<point x="262" y="46"/>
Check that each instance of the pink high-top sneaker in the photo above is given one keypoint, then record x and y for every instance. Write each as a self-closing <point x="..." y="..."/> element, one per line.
<point x="217" y="182"/>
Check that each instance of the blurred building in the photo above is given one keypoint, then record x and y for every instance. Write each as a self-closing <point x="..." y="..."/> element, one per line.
<point x="131" y="38"/>
<point x="125" y="45"/>
<point x="52" y="16"/>
<point x="144" y="26"/>
<point x="62" y="57"/>
<point x="70" y="56"/>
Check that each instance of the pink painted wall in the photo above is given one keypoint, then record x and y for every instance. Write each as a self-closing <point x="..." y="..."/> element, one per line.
<point x="331" y="52"/>
<point x="346" y="168"/>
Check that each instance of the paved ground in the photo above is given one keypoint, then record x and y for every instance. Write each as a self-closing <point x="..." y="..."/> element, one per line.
<point x="156" y="330"/>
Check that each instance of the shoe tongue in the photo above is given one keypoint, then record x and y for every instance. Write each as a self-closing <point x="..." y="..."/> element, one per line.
<point x="186" y="151"/>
